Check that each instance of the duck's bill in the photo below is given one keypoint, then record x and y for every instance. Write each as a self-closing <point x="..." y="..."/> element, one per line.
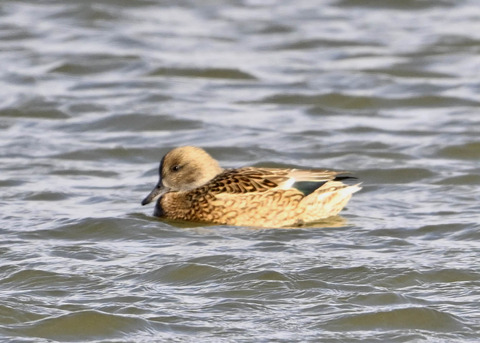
<point x="157" y="192"/>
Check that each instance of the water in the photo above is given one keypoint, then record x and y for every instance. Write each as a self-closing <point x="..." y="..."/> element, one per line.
<point x="94" y="93"/>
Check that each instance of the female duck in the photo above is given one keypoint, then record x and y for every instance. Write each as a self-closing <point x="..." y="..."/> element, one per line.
<point x="193" y="187"/>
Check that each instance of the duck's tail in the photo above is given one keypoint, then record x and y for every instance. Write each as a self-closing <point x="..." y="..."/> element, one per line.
<point x="328" y="200"/>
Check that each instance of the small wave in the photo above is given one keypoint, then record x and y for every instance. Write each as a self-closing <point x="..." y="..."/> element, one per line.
<point x="413" y="318"/>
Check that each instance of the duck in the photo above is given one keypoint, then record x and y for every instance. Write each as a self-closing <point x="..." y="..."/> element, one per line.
<point x="192" y="187"/>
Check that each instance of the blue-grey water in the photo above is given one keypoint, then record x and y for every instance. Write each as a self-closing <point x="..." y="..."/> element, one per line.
<point x="93" y="93"/>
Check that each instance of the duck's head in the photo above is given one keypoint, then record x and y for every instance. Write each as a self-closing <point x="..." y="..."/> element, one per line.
<point x="182" y="169"/>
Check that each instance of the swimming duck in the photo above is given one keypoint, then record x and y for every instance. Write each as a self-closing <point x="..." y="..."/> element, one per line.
<point x="193" y="187"/>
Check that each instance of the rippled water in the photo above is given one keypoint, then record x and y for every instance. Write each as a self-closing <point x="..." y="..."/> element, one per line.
<point x="94" y="93"/>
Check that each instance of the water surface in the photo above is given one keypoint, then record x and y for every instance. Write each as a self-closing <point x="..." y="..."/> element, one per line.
<point x="93" y="94"/>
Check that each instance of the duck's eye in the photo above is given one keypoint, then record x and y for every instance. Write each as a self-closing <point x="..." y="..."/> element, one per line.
<point x="176" y="168"/>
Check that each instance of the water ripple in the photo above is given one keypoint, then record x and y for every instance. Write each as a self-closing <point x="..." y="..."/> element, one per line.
<point x="94" y="94"/>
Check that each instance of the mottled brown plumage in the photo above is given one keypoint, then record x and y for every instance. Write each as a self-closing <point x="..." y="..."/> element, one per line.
<point x="193" y="187"/>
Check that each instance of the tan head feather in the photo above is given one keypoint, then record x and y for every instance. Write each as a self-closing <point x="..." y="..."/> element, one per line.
<point x="187" y="167"/>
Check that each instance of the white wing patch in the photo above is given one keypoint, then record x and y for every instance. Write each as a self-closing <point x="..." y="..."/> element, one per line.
<point x="288" y="184"/>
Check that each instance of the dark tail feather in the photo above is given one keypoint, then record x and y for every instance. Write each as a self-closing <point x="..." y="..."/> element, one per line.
<point x="341" y="178"/>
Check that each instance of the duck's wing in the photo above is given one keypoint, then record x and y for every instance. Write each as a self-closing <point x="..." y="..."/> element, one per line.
<point x="250" y="179"/>
<point x="317" y="175"/>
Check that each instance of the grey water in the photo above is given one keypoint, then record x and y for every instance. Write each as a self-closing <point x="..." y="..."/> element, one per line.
<point x="93" y="93"/>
